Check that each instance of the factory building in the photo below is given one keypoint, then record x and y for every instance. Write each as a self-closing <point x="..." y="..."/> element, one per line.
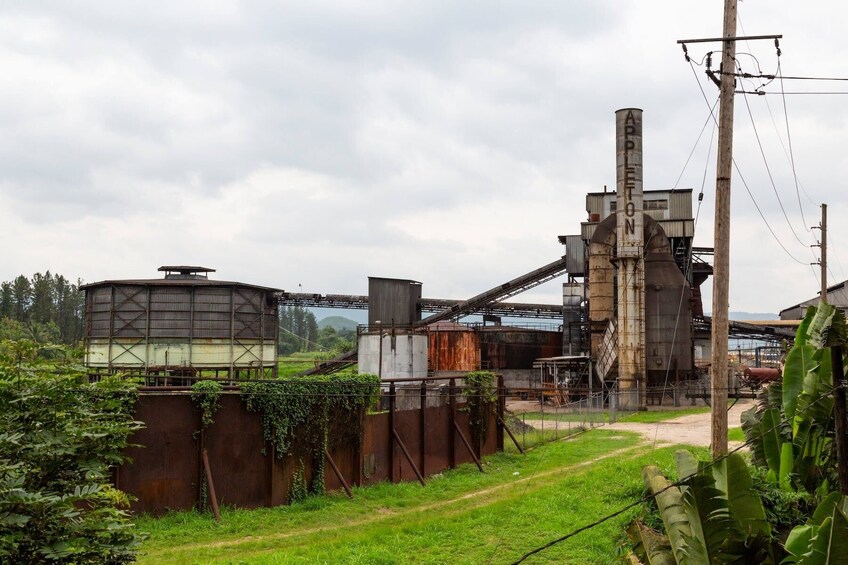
<point x="837" y="295"/>
<point x="181" y="324"/>
<point x="634" y="277"/>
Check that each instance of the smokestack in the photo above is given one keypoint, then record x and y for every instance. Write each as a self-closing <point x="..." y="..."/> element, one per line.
<point x="630" y="252"/>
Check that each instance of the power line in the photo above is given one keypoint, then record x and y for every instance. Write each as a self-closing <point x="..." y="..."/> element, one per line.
<point x="768" y="171"/>
<point x="742" y="178"/>
<point x="789" y="139"/>
<point x="784" y="93"/>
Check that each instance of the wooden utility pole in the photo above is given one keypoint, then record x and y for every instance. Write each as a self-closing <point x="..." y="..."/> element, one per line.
<point x="839" y="414"/>
<point x="823" y="262"/>
<point x="721" y="268"/>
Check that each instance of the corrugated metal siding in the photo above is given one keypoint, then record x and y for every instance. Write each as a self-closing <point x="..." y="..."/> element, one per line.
<point x="680" y="205"/>
<point x="454" y="350"/>
<point x="178" y="314"/>
<point x="574" y="255"/>
<point x="393" y="301"/>
<point x="515" y="348"/>
<point x="595" y="204"/>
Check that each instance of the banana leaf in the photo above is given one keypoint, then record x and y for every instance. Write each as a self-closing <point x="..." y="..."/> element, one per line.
<point x="650" y="546"/>
<point x="798" y="362"/>
<point x="670" y="503"/>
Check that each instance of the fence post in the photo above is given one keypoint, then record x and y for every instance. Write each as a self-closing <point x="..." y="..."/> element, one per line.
<point x="422" y="449"/>
<point x="392" y="432"/>
<point x="451" y="424"/>
<point x="613" y="400"/>
<point x="501" y="410"/>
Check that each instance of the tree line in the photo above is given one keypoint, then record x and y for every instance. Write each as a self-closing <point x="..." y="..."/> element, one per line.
<point x="299" y="332"/>
<point x="45" y="308"/>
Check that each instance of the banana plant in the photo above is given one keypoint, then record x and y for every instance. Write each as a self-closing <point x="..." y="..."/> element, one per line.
<point x="823" y="540"/>
<point x="713" y="516"/>
<point x="790" y="430"/>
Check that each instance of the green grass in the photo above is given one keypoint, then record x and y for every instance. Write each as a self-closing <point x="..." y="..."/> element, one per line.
<point x="653" y="416"/>
<point x="735" y="434"/>
<point x="461" y="516"/>
<point x="647" y="417"/>
<point x="555" y="415"/>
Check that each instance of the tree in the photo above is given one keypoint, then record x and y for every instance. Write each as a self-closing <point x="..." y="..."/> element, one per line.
<point x="298" y="330"/>
<point x="59" y="443"/>
<point x="7" y="302"/>
<point x="21" y="298"/>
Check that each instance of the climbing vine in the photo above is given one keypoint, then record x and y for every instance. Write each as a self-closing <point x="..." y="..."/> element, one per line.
<point x="206" y="396"/>
<point x="480" y="396"/>
<point x="316" y="414"/>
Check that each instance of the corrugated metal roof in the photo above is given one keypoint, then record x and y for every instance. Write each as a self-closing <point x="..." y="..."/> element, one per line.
<point x="177" y="282"/>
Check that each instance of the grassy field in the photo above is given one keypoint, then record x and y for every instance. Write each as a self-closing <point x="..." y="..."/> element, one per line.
<point x="649" y="417"/>
<point x="461" y="516"/>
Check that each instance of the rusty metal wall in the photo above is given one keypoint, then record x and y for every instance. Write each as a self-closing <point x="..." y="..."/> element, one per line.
<point x="166" y="467"/>
<point x="506" y="348"/>
<point x="454" y="350"/>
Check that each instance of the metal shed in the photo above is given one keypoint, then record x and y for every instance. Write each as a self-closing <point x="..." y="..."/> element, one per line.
<point x="182" y="324"/>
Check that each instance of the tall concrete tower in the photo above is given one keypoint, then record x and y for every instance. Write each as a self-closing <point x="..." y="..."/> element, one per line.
<point x="630" y="253"/>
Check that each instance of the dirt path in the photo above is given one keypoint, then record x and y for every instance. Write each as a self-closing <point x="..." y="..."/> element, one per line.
<point x="693" y="429"/>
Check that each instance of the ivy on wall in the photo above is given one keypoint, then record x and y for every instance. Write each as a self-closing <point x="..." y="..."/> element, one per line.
<point x="481" y="395"/>
<point x="206" y="396"/>
<point x="317" y="414"/>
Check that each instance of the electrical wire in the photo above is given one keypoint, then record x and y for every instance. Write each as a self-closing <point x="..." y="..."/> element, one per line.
<point x="789" y="139"/>
<point x="742" y="178"/>
<point x="771" y="177"/>
<point x="697" y="141"/>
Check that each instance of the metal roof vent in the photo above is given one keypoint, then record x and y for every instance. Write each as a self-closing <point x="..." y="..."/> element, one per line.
<point x="185" y="272"/>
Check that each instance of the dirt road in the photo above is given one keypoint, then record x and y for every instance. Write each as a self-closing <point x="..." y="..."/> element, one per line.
<point x="693" y="429"/>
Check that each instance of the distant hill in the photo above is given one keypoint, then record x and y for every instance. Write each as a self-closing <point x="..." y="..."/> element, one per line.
<point x="752" y="316"/>
<point x="337" y="323"/>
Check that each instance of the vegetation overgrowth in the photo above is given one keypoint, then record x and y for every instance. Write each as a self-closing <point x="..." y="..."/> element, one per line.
<point x="481" y="397"/>
<point x="60" y="439"/>
<point x="461" y="516"/>
<point x="307" y="411"/>
<point x="784" y="508"/>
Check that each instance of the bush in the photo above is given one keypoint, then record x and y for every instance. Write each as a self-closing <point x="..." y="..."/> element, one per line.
<point x="59" y="443"/>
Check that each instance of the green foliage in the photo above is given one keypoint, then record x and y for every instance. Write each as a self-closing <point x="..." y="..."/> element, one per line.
<point x="480" y="394"/>
<point x="316" y="414"/>
<point x="298" y="492"/>
<point x="784" y="509"/>
<point x="46" y="308"/>
<point x="823" y="540"/>
<point x="298" y="330"/>
<point x="713" y="516"/>
<point x="60" y="439"/>
<point x="790" y="430"/>
<point x="206" y="396"/>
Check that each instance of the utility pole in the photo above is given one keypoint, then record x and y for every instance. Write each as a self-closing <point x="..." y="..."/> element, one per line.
<point x="823" y="261"/>
<point x="721" y="268"/>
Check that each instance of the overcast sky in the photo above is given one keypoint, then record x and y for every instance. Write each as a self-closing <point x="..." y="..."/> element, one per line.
<point x="313" y="144"/>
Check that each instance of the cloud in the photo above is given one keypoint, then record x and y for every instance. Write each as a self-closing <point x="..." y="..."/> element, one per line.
<point x="319" y="143"/>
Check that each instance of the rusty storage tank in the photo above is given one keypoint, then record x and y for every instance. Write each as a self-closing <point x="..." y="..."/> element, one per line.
<point x="668" y="315"/>
<point x="453" y="347"/>
<point x="181" y="324"/>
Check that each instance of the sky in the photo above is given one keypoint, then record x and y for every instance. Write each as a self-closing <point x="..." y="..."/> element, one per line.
<point x="309" y="145"/>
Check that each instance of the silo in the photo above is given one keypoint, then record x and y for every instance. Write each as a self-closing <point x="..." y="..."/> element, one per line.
<point x="182" y="324"/>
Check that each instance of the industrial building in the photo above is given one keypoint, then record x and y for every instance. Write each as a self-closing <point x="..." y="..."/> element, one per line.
<point x="181" y="324"/>
<point x="837" y="295"/>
